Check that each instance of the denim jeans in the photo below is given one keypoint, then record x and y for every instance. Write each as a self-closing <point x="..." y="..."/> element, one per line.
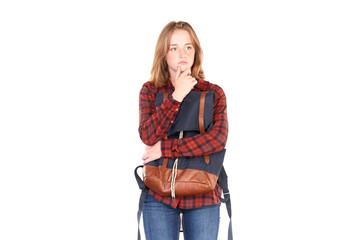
<point x="162" y="222"/>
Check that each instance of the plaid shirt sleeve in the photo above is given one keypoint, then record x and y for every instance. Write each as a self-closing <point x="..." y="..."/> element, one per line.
<point x="154" y="125"/>
<point x="209" y="142"/>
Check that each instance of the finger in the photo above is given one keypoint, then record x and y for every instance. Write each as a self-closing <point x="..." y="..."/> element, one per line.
<point x="191" y="79"/>
<point x="147" y="161"/>
<point x="145" y="156"/>
<point x="186" y="72"/>
<point x="182" y="67"/>
<point x="178" y="71"/>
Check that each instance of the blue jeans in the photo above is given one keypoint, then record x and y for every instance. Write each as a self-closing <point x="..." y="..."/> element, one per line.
<point x="162" y="222"/>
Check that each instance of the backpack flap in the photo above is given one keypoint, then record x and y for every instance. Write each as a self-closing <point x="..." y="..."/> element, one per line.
<point x="187" y="118"/>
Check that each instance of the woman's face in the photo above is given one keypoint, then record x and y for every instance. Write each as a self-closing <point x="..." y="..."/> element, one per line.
<point x="181" y="52"/>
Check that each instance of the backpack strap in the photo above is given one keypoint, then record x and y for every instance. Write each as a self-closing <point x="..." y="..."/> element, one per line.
<point x="201" y="120"/>
<point x="223" y="182"/>
<point x="165" y="160"/>
<point x="144" y="191"/>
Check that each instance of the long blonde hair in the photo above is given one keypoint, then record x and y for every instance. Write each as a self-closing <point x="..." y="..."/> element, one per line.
<point x="160" y="70"/>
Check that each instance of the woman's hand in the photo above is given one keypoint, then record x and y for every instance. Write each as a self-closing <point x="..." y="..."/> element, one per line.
<point x="183" y="84"/>
<point x="152" y="152"/>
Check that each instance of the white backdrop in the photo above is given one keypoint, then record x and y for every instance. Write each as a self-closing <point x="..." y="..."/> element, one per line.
<point x="71" y="72"/>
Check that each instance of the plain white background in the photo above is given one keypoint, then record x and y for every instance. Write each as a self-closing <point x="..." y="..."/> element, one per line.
<point x="71" y="72"/>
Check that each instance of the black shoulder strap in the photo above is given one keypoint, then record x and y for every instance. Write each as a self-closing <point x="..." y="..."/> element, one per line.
<point x="144" y="191"/>
<point x="223" y="182"/>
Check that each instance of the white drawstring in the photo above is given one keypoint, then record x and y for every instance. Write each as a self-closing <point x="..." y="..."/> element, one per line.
<point x="174" y="171"/>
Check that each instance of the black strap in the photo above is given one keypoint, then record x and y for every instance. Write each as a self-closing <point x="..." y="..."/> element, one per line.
<point x="139" y="180"/>
<point x="144" y="191"/>
<point x="223" y="182"/>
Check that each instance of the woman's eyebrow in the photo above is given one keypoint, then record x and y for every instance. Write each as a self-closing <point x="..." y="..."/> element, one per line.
<point x="175" y="44"/>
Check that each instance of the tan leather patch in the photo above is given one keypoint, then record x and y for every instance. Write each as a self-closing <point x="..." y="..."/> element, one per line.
<point x="188" y="181"/>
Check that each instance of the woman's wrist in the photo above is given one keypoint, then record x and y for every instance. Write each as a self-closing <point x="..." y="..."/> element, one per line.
<point x="178" y="97"/>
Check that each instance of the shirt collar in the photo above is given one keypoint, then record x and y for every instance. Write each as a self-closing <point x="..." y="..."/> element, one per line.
<point x="169" y="85"/>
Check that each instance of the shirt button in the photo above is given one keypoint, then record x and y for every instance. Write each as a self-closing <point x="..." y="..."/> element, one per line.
<point x="172" y="121"/>
<point x="177" y="109"/>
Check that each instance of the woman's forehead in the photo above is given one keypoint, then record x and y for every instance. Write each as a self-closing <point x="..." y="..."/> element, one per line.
<point x="180" y="36"/>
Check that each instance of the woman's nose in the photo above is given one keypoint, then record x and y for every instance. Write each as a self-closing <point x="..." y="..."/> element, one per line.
<point x="182" y="53"/>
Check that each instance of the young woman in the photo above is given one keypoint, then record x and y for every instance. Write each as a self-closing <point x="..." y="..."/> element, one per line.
<point x="177" y="68"/>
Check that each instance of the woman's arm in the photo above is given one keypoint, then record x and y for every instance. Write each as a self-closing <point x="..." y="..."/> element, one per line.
<point x="212" y="141"/>
<point x="154" y="125"/>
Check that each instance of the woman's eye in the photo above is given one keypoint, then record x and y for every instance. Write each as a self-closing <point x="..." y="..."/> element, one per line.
<point x="173" y="49"/>
<point x="188" y="48"/>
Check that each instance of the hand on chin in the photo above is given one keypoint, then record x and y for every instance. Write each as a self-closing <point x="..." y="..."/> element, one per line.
<point x="183" y="67"/>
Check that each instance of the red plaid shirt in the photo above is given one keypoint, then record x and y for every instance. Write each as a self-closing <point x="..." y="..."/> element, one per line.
<point x="154" y="126"/>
